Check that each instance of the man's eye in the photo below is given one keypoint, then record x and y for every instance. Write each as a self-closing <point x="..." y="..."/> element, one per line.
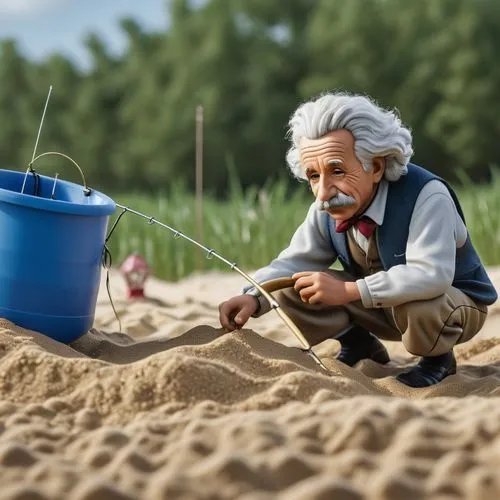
<point x="313" y="177"/>
<point x="338" y="171"/>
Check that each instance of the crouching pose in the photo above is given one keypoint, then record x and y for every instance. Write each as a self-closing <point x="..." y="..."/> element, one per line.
<point x="410" y="271"/>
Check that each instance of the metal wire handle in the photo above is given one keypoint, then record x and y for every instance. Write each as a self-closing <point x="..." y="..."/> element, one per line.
<point x="86" y="190"/>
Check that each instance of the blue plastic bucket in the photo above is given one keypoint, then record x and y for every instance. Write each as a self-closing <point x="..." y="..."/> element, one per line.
<point x="50" y="253"/>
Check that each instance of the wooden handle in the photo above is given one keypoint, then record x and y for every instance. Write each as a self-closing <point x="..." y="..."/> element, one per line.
<point x="278" y="284"/>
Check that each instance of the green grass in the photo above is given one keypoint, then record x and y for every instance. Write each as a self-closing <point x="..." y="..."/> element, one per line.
<point x="481" y="205"/>
<point x="253" y="226"/>
<point x="250" y="228"/>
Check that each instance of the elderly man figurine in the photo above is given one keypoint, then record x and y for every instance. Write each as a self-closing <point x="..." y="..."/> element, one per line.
<point x="410" y="271"/>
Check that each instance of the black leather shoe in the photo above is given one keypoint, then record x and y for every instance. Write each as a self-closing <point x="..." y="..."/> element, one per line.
<point x="358" y="344"/>
<point x="430" y="370"/>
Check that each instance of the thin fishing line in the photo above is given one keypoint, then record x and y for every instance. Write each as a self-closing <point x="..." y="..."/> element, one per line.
<point x="107" y="262"/>
<point x="41" y="124"/>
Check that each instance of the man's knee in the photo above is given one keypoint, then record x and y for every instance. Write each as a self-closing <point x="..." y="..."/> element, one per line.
<point x="418" y="312"/>
<point x="434" y="326"/>
<point x="421" y="323"/>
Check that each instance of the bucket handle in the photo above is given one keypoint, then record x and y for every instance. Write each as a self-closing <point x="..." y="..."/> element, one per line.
<point x="86" y="190"/>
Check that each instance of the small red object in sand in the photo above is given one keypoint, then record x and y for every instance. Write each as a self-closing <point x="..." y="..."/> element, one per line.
<point x="135" y="270"/>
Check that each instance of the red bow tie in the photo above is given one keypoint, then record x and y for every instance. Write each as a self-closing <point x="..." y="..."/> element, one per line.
<point x="364" y="224"/>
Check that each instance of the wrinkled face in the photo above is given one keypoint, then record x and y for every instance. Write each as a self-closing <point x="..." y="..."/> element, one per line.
<point x="336" y="175"/>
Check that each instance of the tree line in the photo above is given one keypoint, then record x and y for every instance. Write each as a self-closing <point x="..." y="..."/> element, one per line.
<point x="129" y="120"/>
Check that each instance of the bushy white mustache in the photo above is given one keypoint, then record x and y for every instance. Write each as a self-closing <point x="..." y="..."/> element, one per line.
<point x="338" y="201"/>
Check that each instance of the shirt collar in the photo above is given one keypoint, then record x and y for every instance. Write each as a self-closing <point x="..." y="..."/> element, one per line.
<point x="376" y="210"/>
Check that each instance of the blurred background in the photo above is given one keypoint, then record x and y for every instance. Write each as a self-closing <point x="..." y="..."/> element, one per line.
<point x="128" y="75"/>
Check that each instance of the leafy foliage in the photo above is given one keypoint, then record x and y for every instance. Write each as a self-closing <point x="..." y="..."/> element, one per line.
<point x="130" y="120"/>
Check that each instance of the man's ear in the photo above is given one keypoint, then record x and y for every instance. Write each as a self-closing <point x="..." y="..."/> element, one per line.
<point x="378" y="163"/>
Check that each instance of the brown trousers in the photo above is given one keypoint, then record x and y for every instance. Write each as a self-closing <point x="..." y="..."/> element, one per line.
<point x="426" y="327"/>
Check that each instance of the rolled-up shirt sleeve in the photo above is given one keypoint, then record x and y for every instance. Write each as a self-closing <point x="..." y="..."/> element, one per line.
<point x="436" y="230"/>
<point x="310" y="249"/>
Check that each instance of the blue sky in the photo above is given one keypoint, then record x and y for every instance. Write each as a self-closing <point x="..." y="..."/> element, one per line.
<point x="45" y="26"/>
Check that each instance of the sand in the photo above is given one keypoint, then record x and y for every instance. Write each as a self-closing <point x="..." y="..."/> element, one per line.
<point x="171" y="407"/>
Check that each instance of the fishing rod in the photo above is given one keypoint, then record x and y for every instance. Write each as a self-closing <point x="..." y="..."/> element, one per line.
<point x="106" y="254"/>
<point x="212" y="253"/>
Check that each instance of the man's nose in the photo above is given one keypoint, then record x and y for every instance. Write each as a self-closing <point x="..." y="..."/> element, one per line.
<point x="325" y="190"/>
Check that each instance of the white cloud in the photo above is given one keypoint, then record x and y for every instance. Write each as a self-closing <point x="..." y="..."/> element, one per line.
<point x="20" y="7"/>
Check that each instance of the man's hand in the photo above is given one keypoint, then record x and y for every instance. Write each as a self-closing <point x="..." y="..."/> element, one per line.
<point x="323" y="288"/>
<point x="234" y="313"/>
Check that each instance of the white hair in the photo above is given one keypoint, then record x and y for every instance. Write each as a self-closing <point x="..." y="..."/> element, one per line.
<point x="377" y="132"/>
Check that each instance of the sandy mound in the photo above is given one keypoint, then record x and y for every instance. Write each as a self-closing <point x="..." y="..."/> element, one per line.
<point x="171" y="407"/>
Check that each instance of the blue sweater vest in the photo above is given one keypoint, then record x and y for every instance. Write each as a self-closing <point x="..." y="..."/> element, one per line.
<point x="392" y="236"/>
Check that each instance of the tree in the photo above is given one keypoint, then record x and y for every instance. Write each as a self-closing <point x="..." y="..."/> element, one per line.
<point x="15" y="106"/>
<point x="94" y="128"/>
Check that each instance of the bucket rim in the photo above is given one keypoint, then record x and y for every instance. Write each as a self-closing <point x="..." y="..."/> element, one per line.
<point x="107" y="207"/>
